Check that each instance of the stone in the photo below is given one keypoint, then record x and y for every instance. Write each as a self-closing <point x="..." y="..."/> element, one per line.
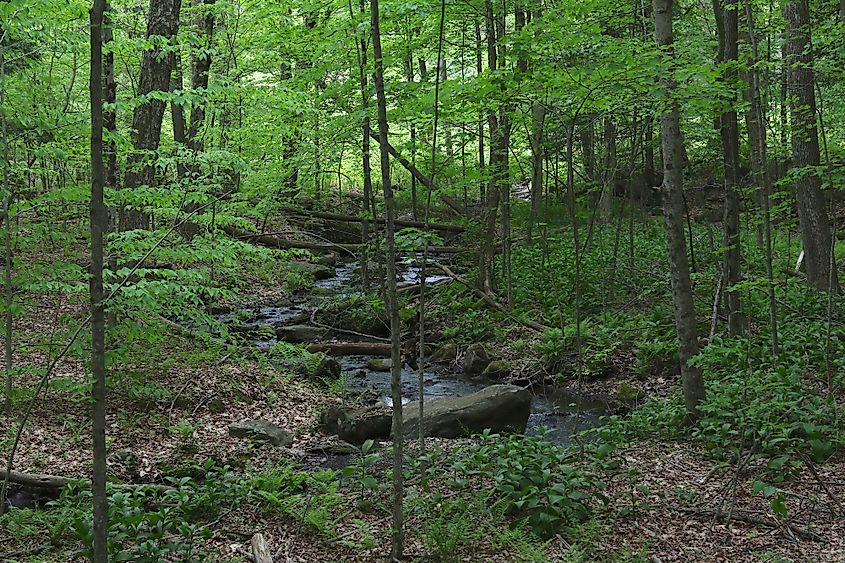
<point x="323" y="272"/>
<point x="445" y="354"/>
<point x="627" y="392"/>
<point x="476" y="360"/>
<point x="356" y="425"/>
<point x="327" y="368"/>
<point x="299" y="334"/>
<point x="497" y="369"/>
<point x="380" y="364"/>
<point x="261" y="430"/>
<point x="501" y="408"/>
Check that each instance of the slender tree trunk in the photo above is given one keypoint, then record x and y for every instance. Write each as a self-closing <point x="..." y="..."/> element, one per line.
<point x="609" y="166"/>
<point x="163" y="21"/>
<point x="757" y="136"/>
<point x="7" y="228"/>
<point x="726" y="12"/>
<point x="393" y="306"/>
<point x="99" y="225"/>
<point x="479" y="68"/>
<point x="110" y="114"/>
<point x="361" y="49"/>
<point x="673" y="214"/>
<point x="812" y="215"/>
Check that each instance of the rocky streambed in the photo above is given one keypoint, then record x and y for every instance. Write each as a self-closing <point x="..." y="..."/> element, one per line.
<point x="556" y="412"/>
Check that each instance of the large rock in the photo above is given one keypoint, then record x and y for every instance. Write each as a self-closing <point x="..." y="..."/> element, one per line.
<point x="380" y="364"/>
<point x="476" y="360"/>
<point x="299" y="334"/>
<point x="357" y="425"/>
<point x="261" y="430"/>
<point x="501" y="408"/>
<point x="497" y="369"/>
<point x="445" y="354"/>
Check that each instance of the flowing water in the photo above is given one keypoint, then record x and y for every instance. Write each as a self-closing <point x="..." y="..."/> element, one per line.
<point x="561" y="413"/>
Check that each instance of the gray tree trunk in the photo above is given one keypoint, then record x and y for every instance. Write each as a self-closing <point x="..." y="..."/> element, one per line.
<point x="812" y="215"/>
<point x="673" y="214"/>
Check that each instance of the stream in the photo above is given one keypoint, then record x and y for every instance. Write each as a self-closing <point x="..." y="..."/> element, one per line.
<point x="560" y="412"/>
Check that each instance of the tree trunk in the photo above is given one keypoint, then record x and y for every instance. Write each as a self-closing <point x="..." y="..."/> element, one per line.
<point x="163" y="22"/>
<point x="392" y="302"/>
<point x="99" y="225"/>
<point x="757" y="137"/>
<point x="726" y="12"/>
<point x="609" y="166"/>
<point x="812" y="215"/>
<point x="673" y="214"/>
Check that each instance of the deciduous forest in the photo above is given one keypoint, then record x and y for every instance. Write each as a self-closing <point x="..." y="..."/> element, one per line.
<point x="422" y="280"/>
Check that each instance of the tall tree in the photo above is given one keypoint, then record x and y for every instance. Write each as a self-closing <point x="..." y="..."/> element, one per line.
<point x="726" y="12"/>
<point x="99" y="225"/>
<point x="673" y="212"/>
<point x="392" y="301"/>
<point x="156" y="66"/>
<point x="812" y="215"/>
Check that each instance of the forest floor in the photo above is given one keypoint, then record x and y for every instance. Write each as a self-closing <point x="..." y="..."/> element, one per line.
<point x="171" y="400"/>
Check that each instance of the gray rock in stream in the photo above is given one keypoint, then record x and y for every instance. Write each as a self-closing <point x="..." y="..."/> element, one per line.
<point x="261" y="430"/>
<point x="299" y="334"/>
<point x="501" y="408"/>
<point x="357" y="425"/>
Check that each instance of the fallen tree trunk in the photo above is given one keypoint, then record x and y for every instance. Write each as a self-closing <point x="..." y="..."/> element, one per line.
<point x="352" y="348"/>
<point x="415" y="288"/>
<point x="421" y="178"/>
<point x="271" y="241"/>
<point x="491" y="301"/>
<point x="260" y="549"/>
<point x="377" y="220"/>
<point x="57" y="482"/>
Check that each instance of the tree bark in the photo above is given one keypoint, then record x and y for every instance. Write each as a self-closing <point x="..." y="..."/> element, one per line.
<point x="812" y="215"/>
<point x="397" y="536"/>
<point x="726" y="12"/>
<point x="99" y="225"/>
<point x="673" y="214"/>
<point x="163" y="22"/>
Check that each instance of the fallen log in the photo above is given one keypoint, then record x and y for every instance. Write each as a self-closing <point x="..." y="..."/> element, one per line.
<point x="260" y="549"/>
<point x="271" y="241"/>
<point x="491" y="301"/>
<point x="352" y="348"/>
<point x="57" y="481"/>
<point x="421" y="178"/>
<point x="413" y="289"/>
<point x="377" y="220"/>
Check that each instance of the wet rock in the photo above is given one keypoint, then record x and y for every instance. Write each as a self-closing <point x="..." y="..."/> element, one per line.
<point x="476" y="360"/>
<point x="445" y="354"/>
<point x="497" y="369"/>
<point x="299" y="334"/>
<point x="327" y="368"/>
<point x="356" y="425"/>
<point x="323" y="272"/>
<point x="380" y="364"/>
<point x="261" y="430"/>
<point x="501" y="408"/>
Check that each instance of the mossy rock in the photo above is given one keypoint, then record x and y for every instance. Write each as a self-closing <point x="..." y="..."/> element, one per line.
<point x="626" y="392"/>
<point x="497" y="369"/>
<point x="380" y="364"/>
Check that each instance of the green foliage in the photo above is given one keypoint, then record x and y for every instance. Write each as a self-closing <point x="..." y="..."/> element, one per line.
<point x="534" y="479"/>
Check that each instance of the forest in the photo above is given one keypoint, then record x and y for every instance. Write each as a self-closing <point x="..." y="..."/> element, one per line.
<point x="422" y="280"/>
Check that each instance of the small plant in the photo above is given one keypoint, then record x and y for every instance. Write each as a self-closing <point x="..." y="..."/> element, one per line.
<point x="362" y="472"/>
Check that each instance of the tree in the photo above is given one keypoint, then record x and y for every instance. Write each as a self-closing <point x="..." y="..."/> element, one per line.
<point x="673" y="212"/>
<point x="726" y="12"/>
<point x="812" y="215"/>
<point x="162" y="25"/>
<point x="392" y="301"/>
<point x="99" y="226"/>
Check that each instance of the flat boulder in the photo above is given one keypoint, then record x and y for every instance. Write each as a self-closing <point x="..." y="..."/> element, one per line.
<point x="262" y="430"/>
<point x="380" y="364"/>
<point x="356" y="425"/>
<point x="501" y="408"/>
